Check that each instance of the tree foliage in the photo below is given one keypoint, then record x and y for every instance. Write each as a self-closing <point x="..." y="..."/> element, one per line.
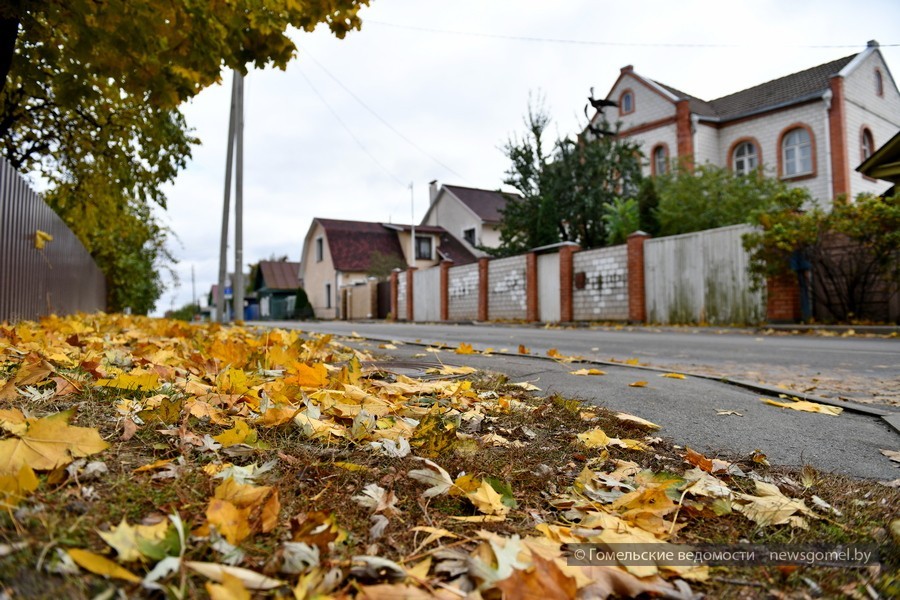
<point x="708" y="196"/>
<point x="564" y="189"/>
<point x="851" y="252"/>
<point x="90" y="100"/>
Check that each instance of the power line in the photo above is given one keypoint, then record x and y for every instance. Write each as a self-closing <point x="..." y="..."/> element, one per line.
<point x="521" y="38"/>
<point x="350" y="131"/>
<point x="379" y="117"/>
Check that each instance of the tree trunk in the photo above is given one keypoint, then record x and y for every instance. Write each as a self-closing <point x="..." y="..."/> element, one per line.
<point x="9" y="31"/>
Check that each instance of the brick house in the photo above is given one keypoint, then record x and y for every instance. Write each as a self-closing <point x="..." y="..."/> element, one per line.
<point x="809" y="128"/>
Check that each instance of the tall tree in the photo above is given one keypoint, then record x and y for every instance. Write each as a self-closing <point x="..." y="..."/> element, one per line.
<point x="89" y="101"/>
<point x="564" y="191"/>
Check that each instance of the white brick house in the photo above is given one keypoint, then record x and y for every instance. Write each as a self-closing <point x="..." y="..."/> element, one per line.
<point x="810" y="128"/>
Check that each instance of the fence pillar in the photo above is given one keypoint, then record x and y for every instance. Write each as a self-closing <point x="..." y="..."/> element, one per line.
<point x="531" y="288"/>
<point x="566" y="281"/>
<point x="394" y="295"/>
<point x="783" y="299"/>
<point x="637" y="291"/>
<point x="445" y="289"/>
<point x="483" y="288"/>
<point x="410" y="297"/>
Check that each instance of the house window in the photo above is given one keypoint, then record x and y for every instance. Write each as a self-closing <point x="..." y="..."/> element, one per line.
<point x="327" y="295"/>
<point x="469" y="236"/>
<point x="423" y="247"/>
<point x="796" y="153"/>
<point x="626" y="102"/>
<point x="867" y="143"/>
<point x="879" y="83"/>
<point x="745" y="158"/>
<point x="320" y="249"/>
<point x="660" y="157"/>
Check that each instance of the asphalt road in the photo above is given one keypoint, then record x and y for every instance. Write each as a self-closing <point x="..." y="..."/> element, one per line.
<point x="686" y="409"/>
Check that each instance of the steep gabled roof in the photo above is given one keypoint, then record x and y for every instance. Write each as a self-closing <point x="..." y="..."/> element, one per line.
<point x="278" y="275"/>
<point x="486" y="204"/>
<point x="352" y="243"/>
<point x="784" y="91"/>
<point x="884" y="163"/>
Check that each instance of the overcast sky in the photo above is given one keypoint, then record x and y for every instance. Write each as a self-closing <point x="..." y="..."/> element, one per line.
<point x="433" y="89"/>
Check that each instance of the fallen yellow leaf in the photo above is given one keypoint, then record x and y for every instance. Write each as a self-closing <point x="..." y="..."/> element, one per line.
<point x="101" y="566"/>
<point x="487" y="500"/>
<point x="587" y="372"/>
<point x="673" y="376"/>
<point x="806" y="406"/>
<point x="638" y="384"/>
<point x="145" y="382"/>
<point x="49" y="443"/>
<point x="465" y="348"/>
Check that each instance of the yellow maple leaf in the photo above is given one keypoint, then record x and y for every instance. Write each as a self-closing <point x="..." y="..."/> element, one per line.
<point x="241" y="433"/>
<point x="523" y="349"/>
<point x="127" y="540"/>
<point x="673" y="376"/>
<point x="309" y="377"/>
<point x="101" y="566"/>
<point x="233" y="381"/>
<point x="594" y="438"/>
<point x="487" y="500"/>
<point x="806" y="406"/>
<point x="465" y="348"/>
<point x="638" y="384"/>
<point x="231" y="588"/>
<point x="15" y="487"/>
<point x="128" y="381"/>
<point x="49" y="443"/>
<point x="232" y="522"/>
<point x="13" y="421"/>
<point x="587" y="372"/>
<point x="638" y="420"/>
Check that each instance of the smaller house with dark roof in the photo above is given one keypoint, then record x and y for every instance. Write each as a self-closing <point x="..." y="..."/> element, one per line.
<point x="275" y="283"/>
<point x="809" y="128"/>
<point x="471" y="215"/>
<point x="339" y="255"/>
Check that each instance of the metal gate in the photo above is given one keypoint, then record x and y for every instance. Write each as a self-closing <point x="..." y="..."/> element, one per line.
<point x="548" y="288"/>
<point x="383" y="299"/>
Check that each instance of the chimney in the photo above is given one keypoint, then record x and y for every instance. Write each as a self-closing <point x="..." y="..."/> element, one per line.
<point x="433" y="189"/>
<point x="872" y="44"/>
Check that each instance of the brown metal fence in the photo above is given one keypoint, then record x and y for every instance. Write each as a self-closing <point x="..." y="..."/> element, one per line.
<point x="60" y="278"/>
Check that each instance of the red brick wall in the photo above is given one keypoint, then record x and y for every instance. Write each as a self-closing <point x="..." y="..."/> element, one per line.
<point x="410" y="298"/>
<point x="531" y="288"/>
<point x="566" y="283"/>
<point x="445" y="289"/>
<point x="783" y="302"/>
<point x="483" y="288"/>
<point x="840" y="171"/>
<point x="394" y="294"/>
<point x="637" y="304"/>
<point x="684" y="135"/>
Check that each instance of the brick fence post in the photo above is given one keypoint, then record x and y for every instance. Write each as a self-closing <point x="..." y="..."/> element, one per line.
<point x="783" y="299"/>
<point x="410" y="297"/>
<point x="445" y="289"/>
<point x="637" y="291"/>
<point x="566" y="281"/>
<point x="394" y="295"/>
<point x="531" y="288"/>
<point x="483" y="288"/>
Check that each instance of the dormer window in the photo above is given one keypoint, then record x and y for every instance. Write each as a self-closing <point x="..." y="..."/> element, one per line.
<point x="626" y="102"/>
<point x="423" y="247"/>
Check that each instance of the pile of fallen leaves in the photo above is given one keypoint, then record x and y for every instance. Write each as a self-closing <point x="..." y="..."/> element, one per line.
<point x="152" y="456"/>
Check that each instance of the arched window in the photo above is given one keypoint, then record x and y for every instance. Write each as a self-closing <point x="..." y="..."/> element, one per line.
<point x="867" y="143"/>
<point x="626" y="102"/>
<point x="660" y="160"/>
<point x="796" y="153"/>
<point x="745" y="158"/>
<point x="879" y="83"/>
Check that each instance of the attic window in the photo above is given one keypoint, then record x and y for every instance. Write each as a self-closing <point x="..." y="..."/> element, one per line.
<point x="626" y="102"/>
<point x="469" y="236"/>
<point x="320" y="249"/>
<point x="879" y="83"/>
<point x="867" y="143"/>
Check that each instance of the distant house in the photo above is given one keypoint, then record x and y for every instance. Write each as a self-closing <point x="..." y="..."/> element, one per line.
<point x="809" y="128"/>
<point x="340" y="254"/>
<point x="471" y="215"/>
<point x="275" y="284"/>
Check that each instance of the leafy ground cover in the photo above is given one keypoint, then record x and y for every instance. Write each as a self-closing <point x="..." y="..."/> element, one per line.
<point x="145" y="457"/>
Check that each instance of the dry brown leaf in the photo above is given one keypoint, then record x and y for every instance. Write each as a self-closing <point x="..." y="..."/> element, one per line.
<point x="545" y="580"/>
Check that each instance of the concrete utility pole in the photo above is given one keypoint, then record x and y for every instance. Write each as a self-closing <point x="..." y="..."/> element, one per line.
<point x="412" y="220"/>
<point x="223" y="246"/>
<point x="238" y="284"/>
